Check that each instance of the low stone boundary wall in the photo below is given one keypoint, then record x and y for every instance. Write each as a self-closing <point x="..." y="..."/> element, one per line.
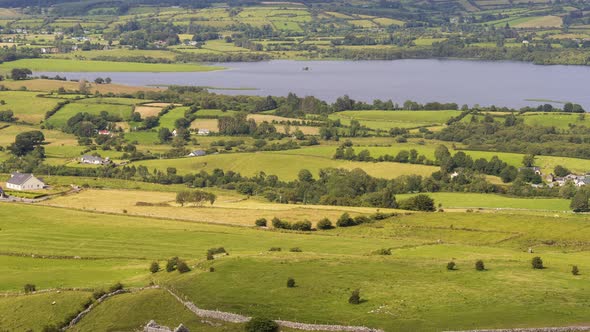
<point x="537" y="329"/>
<point x="235" y="318"/>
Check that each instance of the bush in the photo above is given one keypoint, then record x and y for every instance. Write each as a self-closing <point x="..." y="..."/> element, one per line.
<point x="537" y="263"/>
<point x="278" y="223"/>
<point x="275" y="249"/>
<point x="260" y="324"/>
<point x="451" y="266"/>
<point x="171" y="264"/>
<point x="211" y="269"/>
<point x="155" y="267"/>
<point x="324" y="224"/>
<point x="290" y="283"/>
<point x="51" y="328"/>
<point x="355" y="297"/>
<point x="210" y="256"/>
<point x="261" y="222"/>
<point x="575" y="270"/>
<point x="479" y="266"/>
<point x="296" y="249"/>
<point x="301" y="226"/>
<point x="345" y="221"/>
<point x="420" y="202"/>
<point x="383" y="252"/>
<point x="116" y="287"/>
<point x="183" y="267"/>
<point x="29" y="288"/>
<point x="98" y="294"/>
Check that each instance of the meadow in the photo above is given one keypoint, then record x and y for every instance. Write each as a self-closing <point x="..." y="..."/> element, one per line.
<point x="60" y="118"/>
<point x="389" y="119"/>
<point x="27" y="106"/>
<point x="402" y="291"/>
<point x="62" y="65"/>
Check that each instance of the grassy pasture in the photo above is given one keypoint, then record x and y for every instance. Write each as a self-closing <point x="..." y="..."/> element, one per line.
<point x="167" y="120"/>
<point x="558" y="120"/>
<point x="390" y="119"/>
<point x="402" y="291"/>
<point x="284" y="164"/>
<point x="20" y="313"/>
<point x="61" y="65"/>
<point x="59" y="144"/>
<point x="491" y="201"/>
<point x="26" y="105"/>
<point x="229" y="208"/>
<point x="60" y="118"/>
<point x="53" y="85"/>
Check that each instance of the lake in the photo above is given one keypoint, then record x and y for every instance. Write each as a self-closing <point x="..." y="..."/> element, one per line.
<point x="512" y="84"/>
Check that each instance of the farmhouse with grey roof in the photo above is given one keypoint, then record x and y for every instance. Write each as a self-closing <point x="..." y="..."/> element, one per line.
<point x="24" y="181"/>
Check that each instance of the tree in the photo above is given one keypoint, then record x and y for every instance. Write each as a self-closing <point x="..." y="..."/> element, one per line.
<point x="290" y="283"/>
<point x="579" y="202"/>
<point x="261" y="222"/>
<point x="451" y="266"/>
<point x="421" y="202"/>
<point x="83" y="87"/>
<point x="154" y="267"/>
<point x="345" y="221"/>
<point x="171" y="264"/>
<point x="197" y="197"/>
<point x="27" y="142"/>
<point x="261" y="324"/>
<point x="575" y="270"/>
<point x="479" y="266"/>
<point x="182" y="267"/>
<point x="561" y="171"/>
<point x="528" y="160"/>
<point x="324" y="224"/>
<point x="19" y="74"/>
<point x="108" y="80"/>
<point x="164" y="135"/>
<point x="29" y="288"/>
<point x="355" y="297"/>
<point x="537" y="263"/>
<point x="99" y="80"/>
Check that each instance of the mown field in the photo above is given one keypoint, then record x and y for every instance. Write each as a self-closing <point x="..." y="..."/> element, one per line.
<point x="389" y="119"/>
<point x="408" y="290"/>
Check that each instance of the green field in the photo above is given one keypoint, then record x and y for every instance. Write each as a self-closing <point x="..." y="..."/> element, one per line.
<point x="61" y="65"/>
<point x="390" y="119"/>
<point x="472" y="200"/>
<point x="60" y="118"/>
<point x="27" y="106"/>
<point x="409" y="290"/>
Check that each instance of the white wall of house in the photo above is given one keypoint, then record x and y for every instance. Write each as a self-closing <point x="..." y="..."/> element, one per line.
<point x="30" y="184"/>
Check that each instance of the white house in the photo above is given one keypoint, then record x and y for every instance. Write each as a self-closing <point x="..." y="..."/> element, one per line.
<point x="203" y="132"/>
<point x="24" y="181"/>
<point x="197" y="153"/>
<point x="93" y="160"/>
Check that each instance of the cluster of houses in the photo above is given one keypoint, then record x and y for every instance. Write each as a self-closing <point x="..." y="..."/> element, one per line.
<point x="94" y="160"/>
<point x="577" y="180"/>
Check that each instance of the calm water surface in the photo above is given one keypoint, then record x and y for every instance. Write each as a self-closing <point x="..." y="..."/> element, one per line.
<point x="464" y="82"/>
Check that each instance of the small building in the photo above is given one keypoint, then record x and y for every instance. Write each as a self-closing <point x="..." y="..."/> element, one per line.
<point x="203" y="132"/>
<point x="175" y="133"/>
<point x="104" y="132"/>
<point x="535" y="169"/>
<point x="24" y="181"/>
<point x="197" y="153"/>
<point x="93" y="160"/>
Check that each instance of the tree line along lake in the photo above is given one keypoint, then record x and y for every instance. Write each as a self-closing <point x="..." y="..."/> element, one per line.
<point x="511" y="84"/>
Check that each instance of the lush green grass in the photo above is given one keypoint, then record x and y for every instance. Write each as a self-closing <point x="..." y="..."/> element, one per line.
<point x="558" y="120"/>
<point x="390" y="119"/>
<point x="26" y="105"/>
<point x="409" y="290"/>
<point x="471" y="200"/>
<point x="284" y="165"/>
<point x="21" y="313"/>
<point x="128" y="312"/>
<point x="168" y="119"/>
<point x="59" y="119"/>
<point x="61" y="65"/>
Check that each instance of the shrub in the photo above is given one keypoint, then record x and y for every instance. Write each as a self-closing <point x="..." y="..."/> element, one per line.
<point x="355" y="297"/>
<point x="115" y="287"/>
<point x="51" y="328"/>
<point x="301" y="226"/>
<point x="154" y="267"/>
<point x="575" y="270"/>
<point x="211" y="269"/>
<point x="29" y="288"/>
<point x="261" y="324"/>
<point x="210" y="256"/>
<point x="479" y="266"/>
<point x="420" y="202"/>
<point x="278" y="223"/>
<point x="537" y="263"/>
<point x="383" y="252"/>
<point x="261" y="222"/>
<point x="295" y="249"/>
<point x="324" y="224"/>
<point x="290" y="283"/>
<point x="98" y="294"/>
<point x="451" y="266"/>
<point x="275" y="249"/>
<point x="345" y="221"/>
<point x="171" y="264"/>
<point x="183" y="267"/>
